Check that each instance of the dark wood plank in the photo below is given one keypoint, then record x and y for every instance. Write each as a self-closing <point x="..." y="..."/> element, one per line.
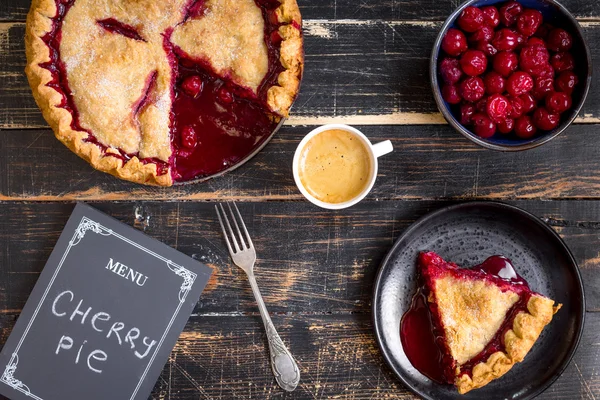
<point x="309" y="260"/>
<point x="428" y="10"/>
<point x="224" y="357"/>
<point x="429" y="162"/>
<point x="356" y="72"/>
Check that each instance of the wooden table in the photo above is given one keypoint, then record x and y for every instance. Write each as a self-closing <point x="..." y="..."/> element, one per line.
<point x="366" y="64"/>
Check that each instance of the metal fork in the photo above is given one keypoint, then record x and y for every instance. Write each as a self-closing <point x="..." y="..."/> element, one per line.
<point x="243" y="254"/>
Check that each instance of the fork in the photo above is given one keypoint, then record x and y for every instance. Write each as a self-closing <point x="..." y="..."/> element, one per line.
<point x="243" y="254"/>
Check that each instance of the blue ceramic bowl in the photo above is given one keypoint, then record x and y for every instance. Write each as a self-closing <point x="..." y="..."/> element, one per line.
<point x="555" y="14"/>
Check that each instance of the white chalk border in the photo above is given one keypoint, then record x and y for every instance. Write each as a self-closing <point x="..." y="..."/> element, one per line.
<point x="85" y="225"/>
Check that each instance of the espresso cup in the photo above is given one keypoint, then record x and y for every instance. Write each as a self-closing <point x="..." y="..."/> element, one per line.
<point x="372" y="151"/>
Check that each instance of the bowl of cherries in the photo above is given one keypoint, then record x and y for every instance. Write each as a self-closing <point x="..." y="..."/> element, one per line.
<point x="510" y="75"/>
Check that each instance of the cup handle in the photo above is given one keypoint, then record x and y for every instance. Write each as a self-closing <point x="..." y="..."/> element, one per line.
<point x="382" y="148"/>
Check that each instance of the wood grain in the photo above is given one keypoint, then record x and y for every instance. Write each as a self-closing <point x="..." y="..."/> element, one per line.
<point x="362" y="72"/>
<point x="429" y="162"/>
<point x="310" y="261"/>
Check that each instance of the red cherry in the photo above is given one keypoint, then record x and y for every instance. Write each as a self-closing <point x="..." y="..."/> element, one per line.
<point x="524" y="127"/>
<point x="491" y="16"/>
<point x="562" y="62"/>
<point x="505" y="62"/>
<point x="473" y="62"/>
<point x="544" y="120"/>
<point x="535" y="41"/>
<point x="192" y="85"/>
<point x="559" y="40"/>
<point x="466" y="113"/>
<point x="518" y="107"/>
<point x="470" y="19"/>
<point x="498" y="108"/>
<point x="225" y="96"/>
<point x="450" y="94"/>
<point x="483" y="126"/>
<point x="543" y="31"/>
<point x="541" y="87"/>
<point x="450" y="70"/>
<point x="188" y="137"/>
<point x="481" y="105"/>
<point x="454" y="42"/>
<point x="545" y="71"/>
<point x="533" y="58"/>
<point x="505" y="127"/>
<point x="472" y="89"/>
<point x="558" y="102"/>
<point x="494" y="83"/>
<point x="484" y="34"/>
<point x="566" y="82"/>
<point x="505" y="40"/>
<point x="486" y="48"/>
<point x="529" y="102"/>
<point x="529" y="21"/>
<point x="510" y="12"/>
<point x="518" y="83"/>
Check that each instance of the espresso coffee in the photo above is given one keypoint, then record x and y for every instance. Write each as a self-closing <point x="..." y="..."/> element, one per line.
<point x="335" y="166"/>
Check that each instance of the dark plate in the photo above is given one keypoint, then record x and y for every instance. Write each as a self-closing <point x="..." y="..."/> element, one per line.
<point x="467" y="234"/>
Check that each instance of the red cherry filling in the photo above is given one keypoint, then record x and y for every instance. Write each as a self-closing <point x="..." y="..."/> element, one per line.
<point x="214" y="123"/>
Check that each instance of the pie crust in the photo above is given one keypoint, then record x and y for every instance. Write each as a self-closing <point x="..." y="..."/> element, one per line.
<point x="121" y="85"/>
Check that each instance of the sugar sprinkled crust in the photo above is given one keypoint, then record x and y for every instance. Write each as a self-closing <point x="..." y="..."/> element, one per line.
<point x="147" y="134"/>
<point x="527" y="327"/>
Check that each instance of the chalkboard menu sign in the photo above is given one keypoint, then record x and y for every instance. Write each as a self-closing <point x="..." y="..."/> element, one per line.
<point x="103" y="317"/>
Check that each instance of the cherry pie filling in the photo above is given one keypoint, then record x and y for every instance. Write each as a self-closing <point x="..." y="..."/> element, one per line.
<point x="421" y="329"/>
<point x="214" y="123"/>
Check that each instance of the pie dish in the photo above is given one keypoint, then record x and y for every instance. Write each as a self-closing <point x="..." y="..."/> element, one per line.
<point x="485" y="319"/>
<point x="164" y="91"/>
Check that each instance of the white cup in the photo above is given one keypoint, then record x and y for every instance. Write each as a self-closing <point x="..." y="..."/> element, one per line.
<point x="375" y="151"/>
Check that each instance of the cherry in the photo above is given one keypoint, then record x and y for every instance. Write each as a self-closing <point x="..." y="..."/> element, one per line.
<point x="471" y="19"/>
<point x="466" y="113"/>
<point x="491" y="16"/>
<point x="558" y="102"/>
<point x="450" y="94"/>
<point x="498" y="108"/>
<point x="483" y="126"/>
<point x="506" y="126"/>
<point x="473" y="62"/>
<point x="559" y="40"/>
<point x="188" y="137"/>
<point x="505" y="40"/>
<point x="510" y="12"/>
<point x="524" y="127"/>
<point x="472" y="89"/>
<point x="484" y="34"/>
<point x="494" y="83"/>
<point x="545" y="120"/>
<point x="481" y="105"/>
<point x="225" y="96"/>
<point x="562" y="62"/>
<point x="505" y="62"/>
<point x="529" y="21"/>
<point x="566" y="82"/>
<point x="519" y="83"/>
<point x="533" y="58"/>
<point x="543" y="31"/>
<point x="192" y="85"/>
<point x="487" y="48"/>
<point x="535" y="41"/>
<point x="518" y="107"/>
<point x="545" y="71"/>
<point x="450" y="70"/>
<point x="454" y="42"/>
<point x="529" y="102"/>
<point x="541" y="87"/>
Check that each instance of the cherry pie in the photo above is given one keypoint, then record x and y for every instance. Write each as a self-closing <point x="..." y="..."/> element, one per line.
<point x="164" y="91"/>
<point x="480" y="321"/>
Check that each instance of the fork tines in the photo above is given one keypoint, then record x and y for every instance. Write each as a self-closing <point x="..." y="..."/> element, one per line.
<point x="222" y="215"/>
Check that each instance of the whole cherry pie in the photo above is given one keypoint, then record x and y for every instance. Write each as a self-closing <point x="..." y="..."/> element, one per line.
<point x="164" y="91"/>
<point x="468" y="327"/>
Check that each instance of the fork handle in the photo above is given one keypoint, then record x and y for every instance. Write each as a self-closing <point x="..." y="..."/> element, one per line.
<point x="284" y="366"/>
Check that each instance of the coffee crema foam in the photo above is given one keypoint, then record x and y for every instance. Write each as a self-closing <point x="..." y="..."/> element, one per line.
<point x="335" y="166"/>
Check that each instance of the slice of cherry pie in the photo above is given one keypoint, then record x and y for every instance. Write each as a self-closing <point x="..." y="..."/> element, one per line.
<point x="483" y="320"/>
<point x="164" y="91"/>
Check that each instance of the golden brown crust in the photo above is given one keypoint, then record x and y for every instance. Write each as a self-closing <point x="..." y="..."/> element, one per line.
<point x="39" y="23"/>
<point x="519" y="340"/>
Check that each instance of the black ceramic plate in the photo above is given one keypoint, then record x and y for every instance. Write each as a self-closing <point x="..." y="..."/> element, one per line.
<point x="467" y="234"/>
